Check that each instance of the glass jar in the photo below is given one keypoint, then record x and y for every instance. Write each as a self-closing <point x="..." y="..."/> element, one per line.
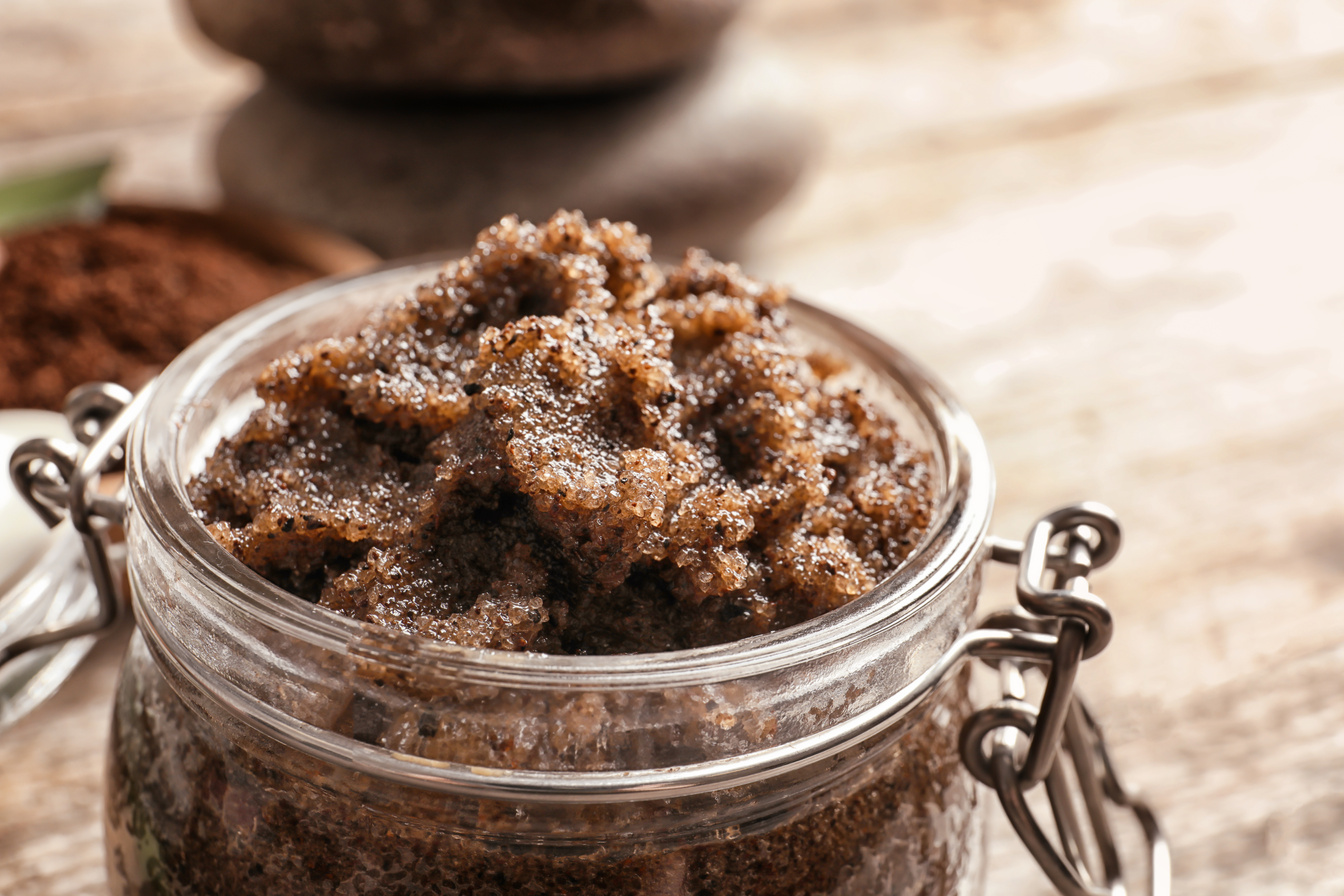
<point x="262" y="744"/>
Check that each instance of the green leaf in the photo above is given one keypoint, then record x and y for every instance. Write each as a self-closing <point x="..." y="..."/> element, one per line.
<point x="53" y="196"/>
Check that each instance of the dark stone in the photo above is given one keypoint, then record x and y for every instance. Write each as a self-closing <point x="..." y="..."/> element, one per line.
<point x="513" y="46"/>
<point x="693" y="162"/>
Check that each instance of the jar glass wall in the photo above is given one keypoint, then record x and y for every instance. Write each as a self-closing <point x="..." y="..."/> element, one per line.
<point x="261" y="744"/>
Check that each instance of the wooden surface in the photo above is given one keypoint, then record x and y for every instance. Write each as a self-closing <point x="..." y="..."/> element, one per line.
<point x="1113" y="226"/>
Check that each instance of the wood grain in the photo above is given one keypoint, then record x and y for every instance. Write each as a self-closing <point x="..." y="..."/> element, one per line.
<point x="1112" y="225"/>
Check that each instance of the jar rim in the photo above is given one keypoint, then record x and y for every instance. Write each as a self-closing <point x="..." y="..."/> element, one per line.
<point x="157" y="491"/>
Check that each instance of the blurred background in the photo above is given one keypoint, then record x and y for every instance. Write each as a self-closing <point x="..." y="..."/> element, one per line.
<point x="1113" y="226"/>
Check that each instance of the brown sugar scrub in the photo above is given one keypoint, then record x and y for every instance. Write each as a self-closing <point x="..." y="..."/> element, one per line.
<point x="203" y="805"/>
<point x="560" y="446"/>
<point x="118" y="298"/>
<point x="553" y="447"/>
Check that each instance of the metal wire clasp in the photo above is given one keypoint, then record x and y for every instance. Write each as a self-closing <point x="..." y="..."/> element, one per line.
<point x="1012" y="746"/>
<point x="58" y="478"/>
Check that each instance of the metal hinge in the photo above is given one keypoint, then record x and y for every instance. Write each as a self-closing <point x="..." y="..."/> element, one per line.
<point x="60" y="479"/>
<point x="1013" y="746"/>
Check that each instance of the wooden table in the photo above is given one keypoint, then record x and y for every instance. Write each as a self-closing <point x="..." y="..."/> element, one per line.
<point x="1116" y="227"/>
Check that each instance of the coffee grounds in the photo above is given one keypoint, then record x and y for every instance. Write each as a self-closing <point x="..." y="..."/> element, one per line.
<point x="561" y="446"/>
<point x="119" y="298"/>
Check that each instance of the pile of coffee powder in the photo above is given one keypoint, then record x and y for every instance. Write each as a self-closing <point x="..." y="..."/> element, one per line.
<point x="117" y="299"/>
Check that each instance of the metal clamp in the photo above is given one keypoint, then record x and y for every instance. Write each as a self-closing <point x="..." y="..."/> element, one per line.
<point x="1013" y="746"/>
<point x="58" y="478"/>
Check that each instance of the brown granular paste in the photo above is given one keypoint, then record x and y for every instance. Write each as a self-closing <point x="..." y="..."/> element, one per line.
<point x="560" y="446"/>
<point x="203" y="805"/>
<point x="117" y="299"/>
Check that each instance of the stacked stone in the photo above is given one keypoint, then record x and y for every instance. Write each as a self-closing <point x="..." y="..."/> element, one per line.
<point x="410" y="124"/>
